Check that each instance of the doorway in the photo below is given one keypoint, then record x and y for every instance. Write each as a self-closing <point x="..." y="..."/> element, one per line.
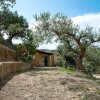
<point x="45" y="61"/>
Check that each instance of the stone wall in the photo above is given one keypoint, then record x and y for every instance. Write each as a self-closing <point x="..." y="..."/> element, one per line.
<point x="7" y="54"/>
<point x="6" y="68"/>
<point x="8" y="63"/>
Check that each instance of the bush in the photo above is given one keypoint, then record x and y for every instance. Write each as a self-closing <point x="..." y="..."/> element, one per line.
<point x="23" y="54"/>
<point x="92" y="60"/>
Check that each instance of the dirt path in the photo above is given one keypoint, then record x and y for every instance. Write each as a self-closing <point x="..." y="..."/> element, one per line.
<point x="49" y="85"/>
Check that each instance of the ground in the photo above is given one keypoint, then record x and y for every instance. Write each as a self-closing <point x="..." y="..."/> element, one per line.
<point x="50" y="85"/>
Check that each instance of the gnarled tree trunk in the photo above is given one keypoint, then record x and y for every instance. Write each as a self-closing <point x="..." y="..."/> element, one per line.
<point x="9" y="41"/>
<point x="79" y="59"/>
<point x="79" y="64"/>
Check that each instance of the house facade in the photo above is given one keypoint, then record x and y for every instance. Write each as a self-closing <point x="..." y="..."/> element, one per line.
<point x="44" y="58"/>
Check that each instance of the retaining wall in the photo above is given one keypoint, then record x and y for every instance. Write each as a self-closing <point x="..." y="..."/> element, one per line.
<point x="7" y="54"/>
<point x="6" y="68"/>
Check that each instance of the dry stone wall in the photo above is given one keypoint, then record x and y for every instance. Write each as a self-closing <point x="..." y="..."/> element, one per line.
<point x="6" y="68"/>
<point x="8" y="62"/>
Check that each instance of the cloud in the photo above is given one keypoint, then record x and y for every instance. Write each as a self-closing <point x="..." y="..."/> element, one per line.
<point x="92" y="20"/>
<point x="49" y="46"/>
<point x="33" y="25"/>
<point x="17" y="41"/>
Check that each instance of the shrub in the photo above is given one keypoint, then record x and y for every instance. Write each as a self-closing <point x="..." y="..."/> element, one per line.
<point x="92" y="60"/>
<point x="23" y="54"/>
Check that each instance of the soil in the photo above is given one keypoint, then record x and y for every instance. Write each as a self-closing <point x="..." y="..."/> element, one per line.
<point x="49" y="85"/>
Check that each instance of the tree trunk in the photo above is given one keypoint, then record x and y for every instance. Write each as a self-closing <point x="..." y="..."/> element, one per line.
<point x="79" y="59"/>
<point x="79" y="64"/>
<point x="9" y="42"/>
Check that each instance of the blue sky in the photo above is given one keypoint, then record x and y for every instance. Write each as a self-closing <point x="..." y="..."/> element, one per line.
<point x="71" y="8"/>
<point x="82" y="12"/>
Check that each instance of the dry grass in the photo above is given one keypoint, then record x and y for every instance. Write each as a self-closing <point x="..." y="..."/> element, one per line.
<point x="50" y="85"/>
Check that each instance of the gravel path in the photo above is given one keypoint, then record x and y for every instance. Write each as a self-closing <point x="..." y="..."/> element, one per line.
<point x="48" y="85"/>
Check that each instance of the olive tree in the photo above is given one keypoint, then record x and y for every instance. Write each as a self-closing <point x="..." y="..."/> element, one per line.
<point x="12" y="24"/>
<point x="61" y="26"/>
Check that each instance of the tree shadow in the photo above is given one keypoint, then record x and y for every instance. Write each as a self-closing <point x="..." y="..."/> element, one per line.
<point x="5" y="80"/>
<point x="31" y="72"/>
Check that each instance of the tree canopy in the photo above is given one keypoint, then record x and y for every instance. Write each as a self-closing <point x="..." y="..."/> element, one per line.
<point x="61" y="26"/>
<point x="12" y="25"/>
<point x="6" y="3"/>
<point x="15" y="26"/>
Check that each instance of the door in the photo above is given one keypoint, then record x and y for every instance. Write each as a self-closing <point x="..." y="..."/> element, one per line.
<point x="45" y="61"/>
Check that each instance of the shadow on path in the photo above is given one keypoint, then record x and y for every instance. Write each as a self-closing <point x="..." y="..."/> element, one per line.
<point x="4" y="81"/>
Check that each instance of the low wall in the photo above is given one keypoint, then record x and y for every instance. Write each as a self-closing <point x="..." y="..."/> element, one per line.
<point x="7" y="68"/>
<point x="7" y="54"/>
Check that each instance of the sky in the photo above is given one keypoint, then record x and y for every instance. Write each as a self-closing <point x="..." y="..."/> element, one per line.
<point x="82" y="12"/>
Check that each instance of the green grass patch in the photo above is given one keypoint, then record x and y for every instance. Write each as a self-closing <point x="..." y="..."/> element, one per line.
<point x="68" y="70"/>
<point x="85" y="98"/>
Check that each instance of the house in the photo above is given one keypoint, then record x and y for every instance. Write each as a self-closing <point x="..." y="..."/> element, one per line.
<point x="44" y="58"/>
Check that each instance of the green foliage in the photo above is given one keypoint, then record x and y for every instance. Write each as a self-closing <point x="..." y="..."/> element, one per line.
<point x="12" y="24"/>
<point x="16" y="26"/>
<point x="26" y="50"/>
<point x="31" y="39"/>
<point x="62" y="27"/>
<point x="85" y="98"/>
<point x="92" y="60"/>
<point x="60" y="62"/>
<point x="64" y="50"/>
<point x="7" y="3"/>
<point x="61" y="52"/>
<point x="24" y="54"/>
<point x="68" y="70"/>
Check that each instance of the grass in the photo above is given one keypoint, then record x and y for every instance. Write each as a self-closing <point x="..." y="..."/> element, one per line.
<point x="68" y="70"/>
<point x="85" y="98"/>
<point x="72" y="71"/>
<point x="98" y="92"/>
